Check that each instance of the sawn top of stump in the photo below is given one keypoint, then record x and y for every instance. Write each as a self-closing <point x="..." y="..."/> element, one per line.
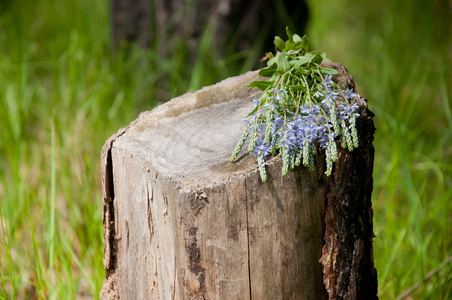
<point x="190" y="138"/>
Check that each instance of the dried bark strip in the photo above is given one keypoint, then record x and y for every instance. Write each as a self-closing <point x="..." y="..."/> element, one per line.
<point x="347" y="259"/>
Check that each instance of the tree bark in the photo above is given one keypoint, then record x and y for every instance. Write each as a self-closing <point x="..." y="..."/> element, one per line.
<point x="131" y="22"/>
<point x="348" y="267"/>
<point x="182" y="222"/>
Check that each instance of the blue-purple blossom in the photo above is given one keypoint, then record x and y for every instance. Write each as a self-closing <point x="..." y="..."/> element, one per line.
<point x="318" y="95"/>
<point x="295" y="128"/>
<point x="278" y="122"/>
<point x="304" y="109"/>
<point x="261" y="148"/>
<point x="327" y="80"/>
<point x="256" y="102"/>
<point x="348" y="93"/>
<point x="331" y="95"/>
<point x="278" y="98"/>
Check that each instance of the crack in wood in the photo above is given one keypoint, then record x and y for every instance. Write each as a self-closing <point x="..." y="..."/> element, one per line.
<point x="150" y="223"/>
<point x="248" y="245"/>
<point x="194" y="257"/>
<point x="108" y="202"/>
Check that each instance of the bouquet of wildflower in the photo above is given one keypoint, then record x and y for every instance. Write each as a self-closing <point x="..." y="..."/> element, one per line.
<point x="300" y="108"/>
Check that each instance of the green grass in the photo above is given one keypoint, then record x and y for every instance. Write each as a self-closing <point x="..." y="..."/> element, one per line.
<point x="63" y="92"/>
<point x="400" y="58"/>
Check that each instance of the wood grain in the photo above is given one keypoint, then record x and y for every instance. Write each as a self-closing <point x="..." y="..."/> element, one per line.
<point x="183" y="222"/>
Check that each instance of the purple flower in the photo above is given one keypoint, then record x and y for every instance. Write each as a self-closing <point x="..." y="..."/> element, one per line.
<point x="286" y="142"/>
<point x="315" y="109"/>
<point x="278" y="98"/>
<point x="261" y="148"/>
<point x="331" y="95"/>
<point x="304" y="109"/>
<point x="318" y="95"/>
<point x="278" y="122"/>
<point x="327" y="80"/>
<point x="349" y="94"/>
<point x="347" y="112"/>
<point x="256" y="102"/>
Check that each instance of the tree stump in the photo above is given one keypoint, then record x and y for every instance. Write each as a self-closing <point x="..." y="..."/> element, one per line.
<point x="183" y="222"/>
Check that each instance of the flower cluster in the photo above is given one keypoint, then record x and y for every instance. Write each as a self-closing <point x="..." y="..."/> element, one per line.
<point x="295" y="124"/>
<point x="300" y="111"/>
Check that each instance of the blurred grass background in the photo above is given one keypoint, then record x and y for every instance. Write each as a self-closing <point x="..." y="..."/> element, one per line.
<point x="63" y="92"/>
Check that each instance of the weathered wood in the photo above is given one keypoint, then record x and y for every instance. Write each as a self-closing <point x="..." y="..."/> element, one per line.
<point x="348" y="267"/>
<point x="182" y="222"/>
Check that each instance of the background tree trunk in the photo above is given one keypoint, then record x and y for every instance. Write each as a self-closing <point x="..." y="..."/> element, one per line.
<point x="131" y="21"/>
<point x="235" y="23"/>
<point x="182" y="222"/>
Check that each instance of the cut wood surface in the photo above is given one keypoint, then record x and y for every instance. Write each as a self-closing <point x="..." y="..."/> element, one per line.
<point x="183" y="222"/>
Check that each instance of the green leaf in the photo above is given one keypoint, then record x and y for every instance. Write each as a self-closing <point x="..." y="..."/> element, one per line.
<point x="297" y="88"/>
<point x="274" y="77"/>
<point x="317" y="59"/>
<point x="272" y="61"/>
<point x="299" y="62"/>
<point x="317" y="78"/>
<point x="328" y="71"/>
<point x="252" y="112"/>
<point x="297" y="39"/>
<point x="283" y="63"/>
<point x="311" y="54"/>
<point x="289" y="46"/>
<point x="304" y="44"/>
<point x="279" y="43"/>
<point x="261" y="84"/>
<point x="301" y="71"/>
<point x="296" y="80"/>
<point x="289" y="34"/>
<point x="262" y="103"/>
<point x="267" y="72"/>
